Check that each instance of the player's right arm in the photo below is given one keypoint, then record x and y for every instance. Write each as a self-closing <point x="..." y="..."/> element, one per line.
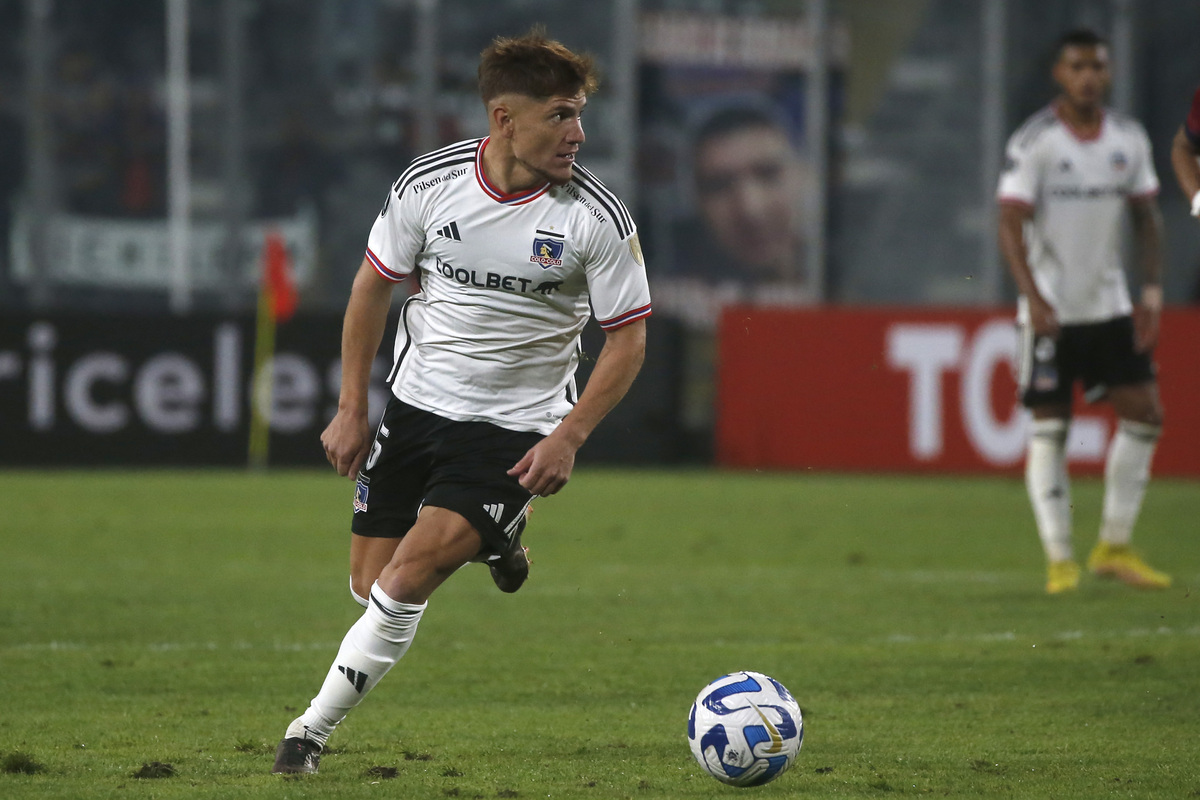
<point x="1020" y="187"/>
<point x="347" y="439"/>
<point x="1013" y="217"/>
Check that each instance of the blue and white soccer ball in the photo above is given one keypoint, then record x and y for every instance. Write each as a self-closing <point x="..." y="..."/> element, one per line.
<point x="745" y="729"/>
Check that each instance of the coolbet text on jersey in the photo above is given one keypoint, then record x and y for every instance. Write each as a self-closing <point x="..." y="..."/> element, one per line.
<point x="507" y="285"/>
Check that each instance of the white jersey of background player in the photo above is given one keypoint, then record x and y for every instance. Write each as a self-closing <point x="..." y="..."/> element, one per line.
<point x="1080" y="190"/>
<point x="505" y="286"/>
<point x="1071" y="174"/>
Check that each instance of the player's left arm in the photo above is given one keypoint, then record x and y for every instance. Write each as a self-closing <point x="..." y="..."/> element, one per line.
<point x="1148" y="227"/>
<point x="547" y="466"/>
<point x="1184" y="159"/>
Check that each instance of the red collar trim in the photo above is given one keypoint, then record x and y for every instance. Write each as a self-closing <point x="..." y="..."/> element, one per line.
<point x="515" y="199"/>
<point x="1075" y="132"/>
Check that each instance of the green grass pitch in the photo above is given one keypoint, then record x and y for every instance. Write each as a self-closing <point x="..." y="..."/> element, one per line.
<point x="185" y="617"/>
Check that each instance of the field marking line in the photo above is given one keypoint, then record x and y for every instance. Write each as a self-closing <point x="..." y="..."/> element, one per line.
<point x="167" y="647"/>
<point x="1061" y="636"/>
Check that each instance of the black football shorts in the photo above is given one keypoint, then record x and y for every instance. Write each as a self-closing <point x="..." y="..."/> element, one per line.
<point x="419" y="458"/>
<point x="1099" y="354"/>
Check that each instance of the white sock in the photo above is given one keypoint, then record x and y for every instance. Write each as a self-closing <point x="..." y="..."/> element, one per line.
<point x="372" y="646"/>
<point x="1049" y="486"/>
<point x="358" y="598"/>
<point x="1126" y="473"/>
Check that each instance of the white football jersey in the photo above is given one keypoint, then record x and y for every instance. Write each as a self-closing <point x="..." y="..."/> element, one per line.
<point x="506" y="283"/>
<point x="1079" y="190"/>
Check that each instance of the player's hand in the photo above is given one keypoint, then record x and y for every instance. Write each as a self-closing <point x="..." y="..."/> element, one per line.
<point x="1043" y="318"/>
<point x="347" y="440"/>
<point x="1146" y="319"/>
<point x="547" y="466"/>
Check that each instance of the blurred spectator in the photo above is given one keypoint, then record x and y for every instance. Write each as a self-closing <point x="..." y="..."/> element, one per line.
<point x="295" y="172"/>
<point x="12" y="167"/>
<point x="141" y="158"/>
<point x="87" y="135"/>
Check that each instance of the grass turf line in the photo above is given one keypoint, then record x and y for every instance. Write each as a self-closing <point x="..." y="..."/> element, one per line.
<point x="184" y="618"/>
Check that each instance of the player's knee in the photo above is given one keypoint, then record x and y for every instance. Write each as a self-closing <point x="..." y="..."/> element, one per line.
<point x="1050" y="430"/>
<point x="1141" y="429"/>
<point x="1153" y="416"/>
<point x="1148" y="413"/>
<point x="359" y="593"/>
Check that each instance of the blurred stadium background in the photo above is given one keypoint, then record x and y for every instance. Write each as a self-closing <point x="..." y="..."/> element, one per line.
<point x="148" y="146"/>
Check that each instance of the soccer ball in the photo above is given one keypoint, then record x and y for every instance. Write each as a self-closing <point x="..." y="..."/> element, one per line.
<point x="745" y="729"/>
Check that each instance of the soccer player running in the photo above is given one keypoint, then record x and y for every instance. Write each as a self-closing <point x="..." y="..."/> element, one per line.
<point x="1070" y="172"/>
<point x="1185" y="155"/>
<point x="512" y="240"/>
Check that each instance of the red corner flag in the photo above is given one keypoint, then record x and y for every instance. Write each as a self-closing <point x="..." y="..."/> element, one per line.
<point x="277" y="280"/>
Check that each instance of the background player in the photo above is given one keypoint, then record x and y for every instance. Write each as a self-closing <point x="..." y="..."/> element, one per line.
<point x="515" y="244"/>
<point x="1185" y="155"/>
<point x="1071" y="171"/>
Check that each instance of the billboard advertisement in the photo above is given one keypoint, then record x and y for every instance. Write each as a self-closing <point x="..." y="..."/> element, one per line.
<point x="725" y="168"/>
<point x="84" y="389"/>
<point x="160" y="390"/>
<point x="913" y="390"/>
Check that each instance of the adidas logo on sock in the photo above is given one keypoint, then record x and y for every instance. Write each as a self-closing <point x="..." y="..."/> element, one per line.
<point x="450" y="232"/>
<point x="357" y="679"/>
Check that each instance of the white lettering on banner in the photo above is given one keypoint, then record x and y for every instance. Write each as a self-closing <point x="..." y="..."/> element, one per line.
<point x="10" y="364"/>
<point x="294" y="392"/>
<point x="106" y="392"/>
<point x="167" y="391"/>
<point x="227" y="368"/>
<point x="78" y="395"/>
<point x="927" y="351"/>
<point x="1088" y="439"/>
<point x="998" y="441"/>
<point x="42" y="337"/>
<point x="96" y="251"/>
<point x="333" y="385"/>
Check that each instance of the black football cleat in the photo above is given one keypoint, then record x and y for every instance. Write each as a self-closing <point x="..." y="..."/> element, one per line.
<point x="511" y="568"/>
<point x="297" y="756"/>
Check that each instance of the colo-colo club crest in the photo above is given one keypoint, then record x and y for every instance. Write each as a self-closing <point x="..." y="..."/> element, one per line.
<point x="548" y="249"/>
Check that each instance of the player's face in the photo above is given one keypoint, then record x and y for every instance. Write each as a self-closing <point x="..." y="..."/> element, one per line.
<point x="546" y="135"/>
<point x="749" y="187"/>
<point x="1082" y="72"/>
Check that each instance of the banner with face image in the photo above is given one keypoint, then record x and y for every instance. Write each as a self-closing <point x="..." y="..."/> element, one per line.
<point x="724" y="172"/>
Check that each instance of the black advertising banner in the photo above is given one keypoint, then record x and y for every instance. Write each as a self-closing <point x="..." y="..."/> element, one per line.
<point x="90" y="390"/>
<point x="158" y="390"/>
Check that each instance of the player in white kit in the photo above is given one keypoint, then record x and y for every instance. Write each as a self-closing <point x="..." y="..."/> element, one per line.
<point x="1071" y="173"/>
<point x="515" y="247"/>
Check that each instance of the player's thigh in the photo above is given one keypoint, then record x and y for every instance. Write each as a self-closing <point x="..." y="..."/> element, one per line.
<point x="1137" y="402"/>
<point x="1120" y="373"/>
<point x="439" y="543"/>
<point x="1042" y="411"/>
<point x="471" y="478"/>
